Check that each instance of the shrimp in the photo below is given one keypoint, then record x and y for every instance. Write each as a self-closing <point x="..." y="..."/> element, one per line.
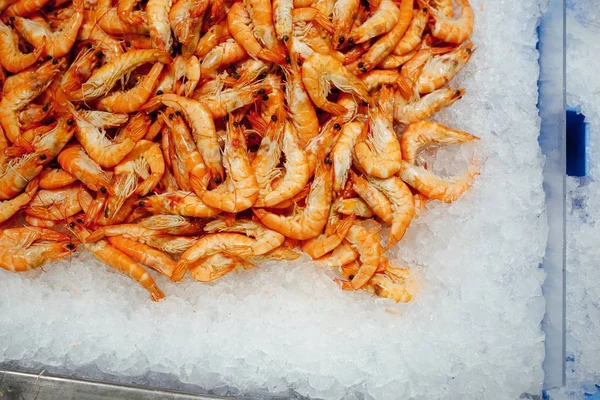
<point x="382" y="21"/>
<point x="89" y="31"/>
<point x="116" y="259"/>
<point x="8" y="208"/>
<point x="301" y="109"/>
<point x="105" y="77"/>
<point x="377" y="78"/>
<point x="230" y="100"/>
<point x="34" y="114"/>
<point x="106" y="152"/>
<point x="16" y="173"/>
<point x="297" y="172"/>
<point x="393" y="61"/>
<point x="41" y="222"/>
<point x="261" y="15"/>
<point x="188" y="68"/>
<point x="27" y="248"/>
<point x="414" y="33"/>
<point x="440" y="70"/>
<point x="349" y="102"/>
<point x="341" y="255"/>
<point x="274" y="99"/>
<point x="50" y="139"/>
<point x="344" y="14"/>
<point x="389" y="283"/>
<point x="57" y="43"/>
<point x="421" y="134"/>
<point x="341" y="154"/>
<point x="24" y="8"/>
<point x="125" y="10"/>
<point x="145" y="255"/>
<point x="182" y="21"/>
<point x="239" y="191"/>
<point x="282" y="18"/>
<point x="322" y="143"/>
<point x="131" y="100"/>
<point x="449" y="29"/>
<point x="108" y="20"/>
<point x="250" y="70"/>
<point x="151" y="226"/>
<point x="54" y="178"/>
<point x="55" y="204"/>
<point x="320" y="71"/>
<point x="75" y="161"/>
<point x="13" y="60"/>
<point x="323" y="244"/>
<point x="217" y="266"/>
<point x="369" y="250"/>
<point x="377" y="201"/>
<point x="310" y="14"/>
<point x="203" y="129"/>
<point x="178" y="203"/>
<point x="157" y="12"/>
<point x="388" y="42"/>
<point x="309" y="222"/>
<point x="239" y="23"/>
<point x="420" y="108"/>
<point x="267" y="159"/>
<point x="266" y="239"/>
<point x="379" y="153"/>
<point x="222" y="55"/>
<point x="354" y="206"/>
<point x="215" y="35"/>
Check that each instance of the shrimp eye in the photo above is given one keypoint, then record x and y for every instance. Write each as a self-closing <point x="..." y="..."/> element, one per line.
<point x="217" y="180"/>
<point x="288" y="59"/>
<point x="363" y="70"/>
<point x="457" y="93"/>
<point x="79" y="221"/>
<point x="273" y="117"/>
<point x="171" y="116"/>
<point x="43" y="157"/>
<point x="99" y="54"/>
<point x="98" y="64"/>
<point x="236" y="75"/>
<point x="350" y="41"/>
<point x="341" y="40"/>
<point x="142" y="203"/>
<point x="45" y="108"/>
<point x="71" y="225"/>
<point x="469" y="51"/>
<point x="361" y="64"/>
<point x="70" y="246"/>
<point x="251" y="136"/>
<point x="265" y="97"/>
<point x="127" y="44"/>
<point x="262" y="75"/>
<point x="424" y="9"/>
<point x="299" y="63"/>
<point x="178" y="113"/>
<point x="55" y="61"/>
<point x="70" y="122"/>
<point x="262" y="91"/>
<point x="350" y="277"/>
<point x="236" y="124"/>
<point x="106" y="213"/>
<point x="48" y="58"/>
<point x="327" y="160"/>
<point x="286" y="38"/>
<point x="159" y="92"/>
<point x="337" y="127"/>
<point x="103" y="190"/>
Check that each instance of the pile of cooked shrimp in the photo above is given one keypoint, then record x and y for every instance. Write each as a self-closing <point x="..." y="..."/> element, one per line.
<point x="203" y="136"/>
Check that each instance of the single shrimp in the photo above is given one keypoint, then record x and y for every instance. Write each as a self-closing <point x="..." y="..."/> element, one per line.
<point x="203" y="129"/>
<point x="440" y="70"/>
<point x="116" y="259"/>
<point x="187" y="67"/>
<point x="215" y="35"/>
<point x="125" y="11"/>
<point x="152" y="226"/>
<point x="54" y="178"/>
<point x="224" y="54"/>
<point x="421" y="108"/>
<point x="376" y="78"/>
<point x="388" y="284"/>
<point x="376" y="200"/>
<point x="341" y="255"/>
<point x="403" y="205"/>
<point x="311" y="14"/>
<point x="341" y="154"/>
<point x="216" y="266"/>
<point x="188" y="32"/>
<point x="379" y="153"/>
<point x="297" y="172"/>
<point x="382" y="21"/>
<point x="178" y="203"/>
<point x="388" y="42"/>
<point x="13" y="60"/>
<point x="323" y="244"/>
<point x="16" y="173"/>
<point x="450" y="29"/>
<point x="55" y="204"/>
<point x="266" y="239"/>
<point x="239" y="191"/>
<point x="27" y="248"/>
<point x="369" y="250"/>
<point x="311" y="220"/>
<point x="131" y="100"/>
<point x="280" y="253"/>
<point x="261" y="15"/>
<point x="75" y="161"/>
<point x="145" y="255"/>
<point x="239" y="22"/>
<point x="10" y="207"/>
<point x="250" y="70"/>
<point x="393" y="61"/>
<point x="344" y="14"/>
<point x="108" y="19"/>
<point x="157" y="12"/>
<point x="282" y="19"/>
<point x="320" y="71"/>
<point x="354" y="206"/>
<point x="104" y="78"/>
<point x="414" y="33"/>
<point x="301" y="109"/>
<point x="267" y="158"/>
<point x="229" y="100"/>
<point x="51" y="139"/>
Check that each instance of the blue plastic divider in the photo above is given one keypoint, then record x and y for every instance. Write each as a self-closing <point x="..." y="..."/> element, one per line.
<point x="577" y="141"/>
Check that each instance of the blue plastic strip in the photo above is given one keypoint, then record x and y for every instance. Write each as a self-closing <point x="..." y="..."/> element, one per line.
<point x="577" y="142"/>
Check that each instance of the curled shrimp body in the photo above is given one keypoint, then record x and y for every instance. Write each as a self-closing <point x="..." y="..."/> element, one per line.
<point x="403" y="205"/>
<point x="131" y="100"/>
<point x="27" y="248"/>
<point x="182" y="21"/>
<point x="203" y="128"/>
<point x="105" y="78"/>
<point x="354" y="206"/>
<point x="421" y="134"/>
<point x="369" y="250"/>
<point x="107" y="18"/>
<point x="216" y="266"/>
<point x="239" y="191"/>
<point x="376" y="200"/>
<point x="16" y="173"/>
<point x="116" y="259"/>
<point x="144" y="254"/>
<point x="216" y="34"/>
<point x="414" y="33"/>
<point x="229" y="100"/>
<point x="282" y="18"/>
<point x="379" y="153"/>
<point x="323" y="244"/>
<point x="267" y="158"/>
<point x="125" y="12"/>
<point x="261" y="15"/>
<point x="341" y="154"/>
<point x="320" y="71"/>
<point x="24" y="8"/>
<point x="420" y="108"/>
<point x="439" y="70"/>
<point x="10" y="207"/>
<point x="157" y="12"/>
<point x="222" y="55"/>
<point x="250" y="70"/>
<point x="153" y="226"/>
<point x="382" y="21"/>
<point x="341" y="255"/>
<point x="189" y="69"/>
<point x="266" y="239"/>
<point x="55" y="204"/>
<point x="239" y="23"/>
<point x="301" y="109"/>
<point x="178" y="203"/>
<point x="75" y="161"/>
<point x="344" y="14"/>
<point x="322" y="143"/>
<point x="54" y="178"/>
<point x="13" y="60"/>
<point x="34" y="114"/>
<point x="311" y="220"/>
<point x="449" y="29"/>
<point x="52" y="139"/>
<point x="377" y="78"/>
